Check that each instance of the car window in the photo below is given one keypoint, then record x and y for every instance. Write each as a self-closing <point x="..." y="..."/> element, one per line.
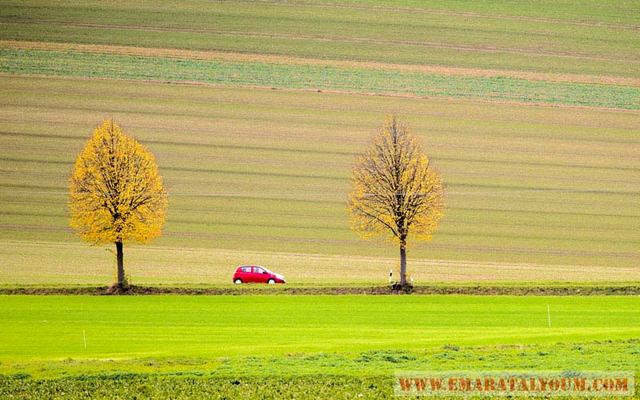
<point x="258" y="270"/>
<point x="246" y="269"/>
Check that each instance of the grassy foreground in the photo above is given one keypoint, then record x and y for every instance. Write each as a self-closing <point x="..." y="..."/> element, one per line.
<point x="293" y="346"/>
<point x="54" y="327"/>
<point x="134" y="386"/>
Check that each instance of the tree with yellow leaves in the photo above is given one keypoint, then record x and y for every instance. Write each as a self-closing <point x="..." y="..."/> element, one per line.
<point x="395" y="190"/>
<point x="115" y="192"/>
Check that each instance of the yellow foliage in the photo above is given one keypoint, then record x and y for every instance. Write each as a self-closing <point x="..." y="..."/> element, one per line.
<point x="116" y="192"/>
<point x="394" y="189"/>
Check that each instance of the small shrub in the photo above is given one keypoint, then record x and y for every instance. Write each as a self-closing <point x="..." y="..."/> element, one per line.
<point x="390" y="356"/>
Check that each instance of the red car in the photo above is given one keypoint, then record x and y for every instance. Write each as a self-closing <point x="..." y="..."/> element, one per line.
<point x="256" y="274"/>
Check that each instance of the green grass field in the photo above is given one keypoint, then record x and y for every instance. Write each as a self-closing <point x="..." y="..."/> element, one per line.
<point x="48" y="330"/>
<point x="51" y="327"/>
<point x="170" y="337"/>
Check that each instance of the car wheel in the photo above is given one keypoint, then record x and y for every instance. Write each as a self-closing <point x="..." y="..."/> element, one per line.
<point x="271" y="281"/>
<point x="238" y="281"/>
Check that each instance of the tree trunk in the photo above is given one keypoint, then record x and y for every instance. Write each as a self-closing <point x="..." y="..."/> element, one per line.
<point x="120" y="257"/>
<point x="403" y="263"/>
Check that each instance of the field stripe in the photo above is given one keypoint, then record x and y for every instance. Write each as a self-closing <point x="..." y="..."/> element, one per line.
<point x="434" y="11"/>
<point x="511" y="188"/>
<point x="345" y="40"/>
<point x="90" y="65"/>
<point x="277" y="59"/>
<point x="69" y="162"/>
<point x="342" y="178"/>
<point x="342" y="226"/>
<point x="302" y="257"/>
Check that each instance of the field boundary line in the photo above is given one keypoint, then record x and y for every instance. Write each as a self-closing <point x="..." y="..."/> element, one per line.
<point x="628" y="290"/>
<point x="476" y="101"/>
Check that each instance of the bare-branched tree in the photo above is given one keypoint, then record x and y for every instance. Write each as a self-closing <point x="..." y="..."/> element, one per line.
<point x="395" y="190"/>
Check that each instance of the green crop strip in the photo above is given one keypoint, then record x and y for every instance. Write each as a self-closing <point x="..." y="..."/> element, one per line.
<point x="89" y="65"/>
<point x="306" y="346"/>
